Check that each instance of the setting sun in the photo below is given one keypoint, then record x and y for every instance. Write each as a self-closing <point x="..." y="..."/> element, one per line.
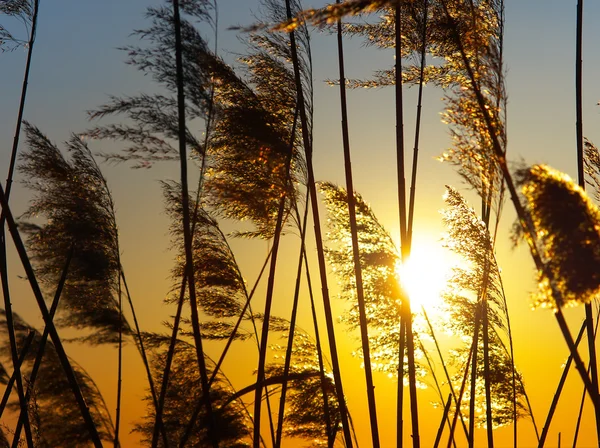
<point x="424" y="275"/>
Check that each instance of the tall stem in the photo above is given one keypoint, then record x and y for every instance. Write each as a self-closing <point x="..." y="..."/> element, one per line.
<point x="189" y="264"/>
<point x="15" y="146"/>
<point x="478" y="318"/>
<point x="486" y="368"/>
<point x="559" y="388"/>
<point x="262" y="359"/>
<point x="319" y="238"/>
<point x="448" y="379"/>
<point x="589" y="315"/>
<point x="290" y="344"/>
<point x="120" y="365"/>
<point x="3" y="261"/>
<point x="364" y="333"/>
<point x="413" y="178"/>
<point x="406" y="336"/>
<point x="440" y="431"/>
<point x="331" y="431"/>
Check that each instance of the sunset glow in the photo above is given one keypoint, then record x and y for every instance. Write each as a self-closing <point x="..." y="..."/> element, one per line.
<point x="424" y="276"/>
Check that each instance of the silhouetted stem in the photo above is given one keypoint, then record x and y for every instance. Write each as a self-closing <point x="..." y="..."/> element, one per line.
<point x="413" y="179"/>
<point x="589" y="315"/>
<point x="405" y="249"/>
<point x="437" y="384"/>
<point x="120" y="364"/>
<point x="486" y="368"/>
<point x="15" y="146"/>
<point x="561" y="383"/>
<point x="9" y="179"/>
<point x="463" y="384"/>
<point x="189" y="261"/>
<point x="290" y="344"/>
<point x="479" y="317"/>
<point x="440" y="431"/>
<point x="262" y="359"/>
<point x="360" y="296"/>
<point x="276" y="379"/>
<point x="439" y="351"/>
<point x="580" y="414"/>
<point x="318" y="237"/>
<point x="331" y="431"/>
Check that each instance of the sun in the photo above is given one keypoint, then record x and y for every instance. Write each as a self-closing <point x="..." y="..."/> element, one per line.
<point x="424" y="275"/>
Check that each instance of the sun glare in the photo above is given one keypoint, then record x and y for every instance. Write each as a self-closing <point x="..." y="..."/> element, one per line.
<point x="424" y="276"/>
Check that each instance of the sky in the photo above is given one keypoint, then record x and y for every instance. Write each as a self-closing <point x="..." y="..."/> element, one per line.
<point x="77" y="65"/>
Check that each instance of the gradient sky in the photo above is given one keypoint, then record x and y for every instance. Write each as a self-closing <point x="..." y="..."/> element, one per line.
<point x="76" y="66"/>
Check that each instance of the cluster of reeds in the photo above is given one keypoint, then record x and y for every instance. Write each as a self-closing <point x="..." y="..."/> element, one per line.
<point x="254" y="163"/>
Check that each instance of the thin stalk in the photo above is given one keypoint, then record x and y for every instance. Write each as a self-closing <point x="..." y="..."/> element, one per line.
<point x="328" y="426"/>
<point x="405" y="249"/>
<point x="561" y="383"/>
<point x="13" y="377"/>
<point x="440" y="431"/>
<point x="262" y="359"/>
<point x="159" y="403"/>
<point x="413" y="179"/>
<point x="119" y="366"/>
<point x="189" y="265"/>
<point x="12" y="338"/>
<point x="589" y="315"/>
<point x="15" y="146"/>
<point x="400" y="391"/>
<point x="439" y="351"/>
<point x="579" y="416"/>
<point x="290" y="344"/>
<point x="479" y="317"/>
<point x="462" y="387"/>
<point x="42" y="345"/>
<point x="486" y="368"/>
<point x="9" y="180"/>
<point x="436" y="382"/>
<point x="318" y="237"/>
<point x="360" y="296"/>
<point x="512" y="355"/>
